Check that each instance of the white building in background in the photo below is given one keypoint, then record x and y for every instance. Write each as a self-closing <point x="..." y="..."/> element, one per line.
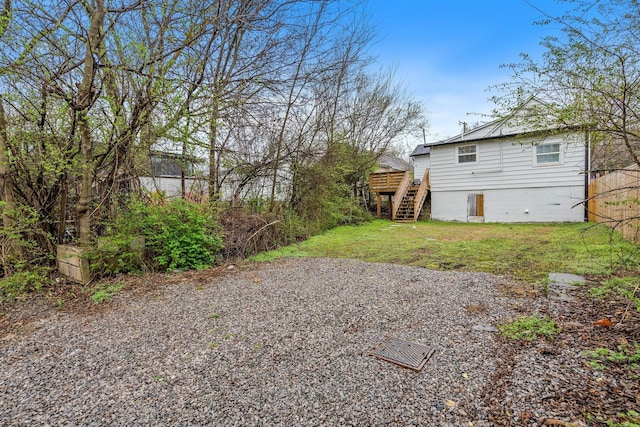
<point x="169" y="171"/>
<point x="500" y="172"/>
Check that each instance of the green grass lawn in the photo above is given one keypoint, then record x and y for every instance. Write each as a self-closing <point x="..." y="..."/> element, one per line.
<point x="526" y="252"/>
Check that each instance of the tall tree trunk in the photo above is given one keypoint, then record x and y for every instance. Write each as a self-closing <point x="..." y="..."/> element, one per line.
<point x="62" y="219"/>
<point x="6" y="181"/>
<point x="214" y="168"/>
<point x="86" y="193"/>
<point x="83" y="104"/>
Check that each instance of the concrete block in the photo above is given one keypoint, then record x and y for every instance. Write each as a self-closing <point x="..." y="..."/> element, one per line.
<point x="73" y="263"/>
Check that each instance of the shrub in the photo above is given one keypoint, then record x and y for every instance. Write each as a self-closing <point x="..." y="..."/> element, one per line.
<point x="177" y="234"/>
<point x="324" y="198"/>
<point x="246" y="233"/>
<point x="24" y="242"/>
<point x="25" y="253"/>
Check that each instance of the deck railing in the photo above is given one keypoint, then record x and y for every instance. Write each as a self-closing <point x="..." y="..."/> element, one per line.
<point x="385" y="182"/>
<point x="421" y="195"/>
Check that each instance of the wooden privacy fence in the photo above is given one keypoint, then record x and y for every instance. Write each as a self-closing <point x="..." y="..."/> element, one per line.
<point x="614" y="199"/>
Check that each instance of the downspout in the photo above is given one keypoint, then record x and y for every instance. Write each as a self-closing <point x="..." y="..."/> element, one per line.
<point x="587" y="174"/>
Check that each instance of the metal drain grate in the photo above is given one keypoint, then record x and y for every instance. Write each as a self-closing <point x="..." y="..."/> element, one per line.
<point x="408" y="354"/>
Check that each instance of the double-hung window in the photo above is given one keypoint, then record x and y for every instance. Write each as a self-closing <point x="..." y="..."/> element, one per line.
<point x="547" y="153"/>
<point x="467" y="154"/>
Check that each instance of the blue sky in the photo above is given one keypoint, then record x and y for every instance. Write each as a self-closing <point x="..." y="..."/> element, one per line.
<point x="448" y="52"/>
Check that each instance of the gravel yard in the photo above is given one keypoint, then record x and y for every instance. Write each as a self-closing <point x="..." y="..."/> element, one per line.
<point x="279" y="344"/>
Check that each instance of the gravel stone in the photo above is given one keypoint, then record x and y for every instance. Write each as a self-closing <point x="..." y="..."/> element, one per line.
<point x="275" y="344"/>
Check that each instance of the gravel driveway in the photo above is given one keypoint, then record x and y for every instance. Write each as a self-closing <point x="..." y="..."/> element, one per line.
<point x="277" y="344"/>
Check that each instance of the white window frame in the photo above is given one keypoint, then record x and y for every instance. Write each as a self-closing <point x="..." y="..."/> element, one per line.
<point x="546" y="144"/>
<point x="458" y="154"/>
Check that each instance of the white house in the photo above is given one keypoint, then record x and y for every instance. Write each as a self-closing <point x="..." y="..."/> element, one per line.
<point x="499" y="172"/>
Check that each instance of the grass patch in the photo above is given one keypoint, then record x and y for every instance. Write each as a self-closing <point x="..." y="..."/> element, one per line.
<point x="103" y="292"/>
<point x="529" y="328"/>
<point x="214" y="313"/>
<point x="525" y="252"/>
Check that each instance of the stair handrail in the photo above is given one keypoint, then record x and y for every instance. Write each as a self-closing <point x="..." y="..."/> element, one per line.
<point x="400" y="192"/>
<point x="421" y="195"/>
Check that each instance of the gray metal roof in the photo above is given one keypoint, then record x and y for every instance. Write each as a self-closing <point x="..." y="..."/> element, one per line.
<point x="421" y="150"/>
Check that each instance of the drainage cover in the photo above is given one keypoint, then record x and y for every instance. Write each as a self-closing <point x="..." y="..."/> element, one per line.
<point x="408" y="354"/>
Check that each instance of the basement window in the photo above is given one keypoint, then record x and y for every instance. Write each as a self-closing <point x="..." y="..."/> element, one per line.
<point x="475" y="205"/>
<point x="547" y="153"/>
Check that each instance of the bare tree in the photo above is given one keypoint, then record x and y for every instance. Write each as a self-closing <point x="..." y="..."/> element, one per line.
<point x="589" y="78"/>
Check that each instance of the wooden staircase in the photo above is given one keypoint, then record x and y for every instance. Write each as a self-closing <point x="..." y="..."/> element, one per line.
<point x="406" y="209"/>
<point x="411" y="198"/>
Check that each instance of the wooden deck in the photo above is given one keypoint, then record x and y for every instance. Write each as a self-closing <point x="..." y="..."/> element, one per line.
<point x="385" y="182"/>
<point x="405" y="200"/>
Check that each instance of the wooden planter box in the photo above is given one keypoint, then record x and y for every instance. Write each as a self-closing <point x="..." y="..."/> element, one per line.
<point x="73" y="263"/>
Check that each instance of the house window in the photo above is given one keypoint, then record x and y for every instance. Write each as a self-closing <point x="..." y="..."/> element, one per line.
<point x="467" y="154"/>
<point x="547" y="153"/>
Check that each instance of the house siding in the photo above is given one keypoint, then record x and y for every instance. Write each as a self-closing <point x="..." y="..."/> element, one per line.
<point x="515" y="189"/>
<point x="420" y="165"/>
<point x="546" y="204"/>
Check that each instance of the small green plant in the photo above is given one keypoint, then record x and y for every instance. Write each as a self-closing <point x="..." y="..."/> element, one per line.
<point x="213" y="345"/>
<point x="185" y="234"/>
<point x="628" y="419"/>
<point x="227" y="336"/>
<point x="23" y="282"/>
<point x="214" y="313"/>
<point x="627" y="287"/>
<point x="627" y="354"/>
<point x="529" y="328"/>
<point x="104" y="292"/>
